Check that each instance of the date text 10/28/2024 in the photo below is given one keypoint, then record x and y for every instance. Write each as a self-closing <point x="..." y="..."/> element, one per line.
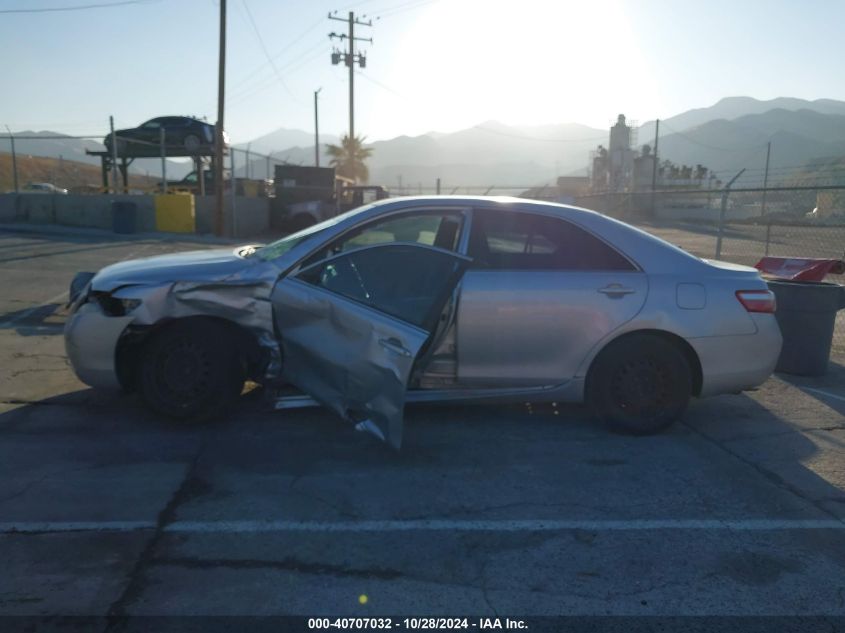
<point x="430" y="624"/>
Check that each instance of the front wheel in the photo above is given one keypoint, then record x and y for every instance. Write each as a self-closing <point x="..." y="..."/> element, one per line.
<point x="639" y="384"/>
<point x="191" y="371"/>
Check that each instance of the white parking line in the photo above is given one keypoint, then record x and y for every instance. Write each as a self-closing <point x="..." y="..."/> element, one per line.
<point x="827" y="394"/>
<point x="28" y="527"/>
<point x="430" y="525"/>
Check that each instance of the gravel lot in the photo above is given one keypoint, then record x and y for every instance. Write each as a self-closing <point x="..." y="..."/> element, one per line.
<point x="509" y="511"/>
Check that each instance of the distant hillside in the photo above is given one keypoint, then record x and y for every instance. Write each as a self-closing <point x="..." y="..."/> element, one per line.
<point x="486" y="154"/>
<point x="797" y="138"/>
<point x="724" y="137"/>
<point x="283" y="139"/>
<point x="731" y="108"/>
<point x="62" y="173"/>
<point x="45" y="143"/>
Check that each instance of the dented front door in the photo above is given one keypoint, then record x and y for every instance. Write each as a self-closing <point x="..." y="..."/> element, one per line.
<point x="352" y="325"/>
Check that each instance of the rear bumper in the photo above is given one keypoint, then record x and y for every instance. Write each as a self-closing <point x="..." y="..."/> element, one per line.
<point x="91" y="344"/>
<point x="733" y="363"/>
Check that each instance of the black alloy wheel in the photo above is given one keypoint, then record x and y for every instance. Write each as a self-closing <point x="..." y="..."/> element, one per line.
<point x="191" y="370"/>
<point x="639" y="384"/>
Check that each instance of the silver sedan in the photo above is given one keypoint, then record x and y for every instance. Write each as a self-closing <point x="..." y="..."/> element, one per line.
<point x="448" y="299"/>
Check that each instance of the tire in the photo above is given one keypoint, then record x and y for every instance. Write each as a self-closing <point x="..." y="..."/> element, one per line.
<point x="192" y="143"/>
<point x="639" y="385"/>
<point x="191" y="371"/>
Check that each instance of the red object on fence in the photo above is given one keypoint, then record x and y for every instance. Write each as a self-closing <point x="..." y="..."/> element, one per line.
<point x="800" y="269"/>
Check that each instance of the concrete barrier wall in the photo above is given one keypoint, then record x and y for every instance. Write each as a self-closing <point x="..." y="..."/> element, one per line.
<point x="252" y="216"/>
<point x="92" y="211"/>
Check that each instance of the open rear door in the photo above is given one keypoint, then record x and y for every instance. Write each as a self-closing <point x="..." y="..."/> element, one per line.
<point x="352" y="326"/>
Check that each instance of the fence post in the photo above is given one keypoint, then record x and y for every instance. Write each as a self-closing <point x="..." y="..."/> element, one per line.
<point x="14" y="159"/>
<point x="722" y="212"/>
<point x="113" y="155"/>
<point x="233" y="222"/>
<point x="768" y="236"/>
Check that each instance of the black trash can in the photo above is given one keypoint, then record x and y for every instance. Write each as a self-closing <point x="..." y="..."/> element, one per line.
<point x="123" y="216"/>
<point x="806" y="314"/>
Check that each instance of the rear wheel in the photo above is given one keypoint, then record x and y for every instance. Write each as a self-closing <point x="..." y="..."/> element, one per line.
<point x="639" y="384"/>
<point x="191" y="370"/>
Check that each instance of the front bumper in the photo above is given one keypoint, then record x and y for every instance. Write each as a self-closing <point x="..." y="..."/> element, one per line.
<point x="91" y="344"/>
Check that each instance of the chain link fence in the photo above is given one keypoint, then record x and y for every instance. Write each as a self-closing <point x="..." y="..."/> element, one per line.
<point x="75" y="164"/>
<point x="741" y="226"/>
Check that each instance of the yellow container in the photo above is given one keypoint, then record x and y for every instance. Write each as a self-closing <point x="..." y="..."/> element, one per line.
<point x="250" y="188"/>
<point x="175" y="213"/>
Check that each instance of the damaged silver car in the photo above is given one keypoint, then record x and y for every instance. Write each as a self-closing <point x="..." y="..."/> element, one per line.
<point x="432" y="299"/>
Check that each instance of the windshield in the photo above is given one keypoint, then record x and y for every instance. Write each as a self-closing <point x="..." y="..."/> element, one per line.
<point x="280" y="247"/>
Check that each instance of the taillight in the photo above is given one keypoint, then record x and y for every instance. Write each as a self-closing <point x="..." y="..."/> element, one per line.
<point x="757" y="300"/>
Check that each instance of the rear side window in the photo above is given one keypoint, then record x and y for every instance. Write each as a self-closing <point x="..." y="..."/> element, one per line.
<point x="503" y="240"/>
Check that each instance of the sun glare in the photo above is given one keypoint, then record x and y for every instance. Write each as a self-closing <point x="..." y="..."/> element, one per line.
<point x="466" y="61"/>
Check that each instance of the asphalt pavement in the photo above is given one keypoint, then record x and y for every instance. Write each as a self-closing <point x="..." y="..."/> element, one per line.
<point x="107" y="510"/>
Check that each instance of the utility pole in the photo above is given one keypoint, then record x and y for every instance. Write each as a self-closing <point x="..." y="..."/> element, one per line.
<point x="316" y="130"/>
<point x="350" y="58"/>
<point x="113" y="155"/>
<point x="766" y="177"/>
<point x="14" y="159"/>
<point x="654" y="166"/>
<point x="219" y="227"/>
<point x="163" y="150"/>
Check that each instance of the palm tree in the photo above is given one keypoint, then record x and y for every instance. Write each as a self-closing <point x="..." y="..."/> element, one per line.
<point x="348" y="158"/>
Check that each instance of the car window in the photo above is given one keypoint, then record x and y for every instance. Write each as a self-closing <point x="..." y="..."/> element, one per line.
<point x="405" y="281"/>
<point x="431" y="228"/>
<point x="504" y="240"/>
<point x="150" y="125"/>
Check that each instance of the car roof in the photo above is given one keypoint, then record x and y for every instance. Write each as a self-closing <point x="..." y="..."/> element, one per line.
<point x="652" y="253"/>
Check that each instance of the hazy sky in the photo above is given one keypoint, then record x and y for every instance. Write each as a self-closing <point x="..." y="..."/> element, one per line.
<point x="434" y="64"/>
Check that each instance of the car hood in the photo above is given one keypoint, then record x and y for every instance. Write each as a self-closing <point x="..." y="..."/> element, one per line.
<point x="207" y="265"/>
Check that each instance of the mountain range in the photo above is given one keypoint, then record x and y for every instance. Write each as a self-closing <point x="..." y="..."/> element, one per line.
<point x="727" y="136"/>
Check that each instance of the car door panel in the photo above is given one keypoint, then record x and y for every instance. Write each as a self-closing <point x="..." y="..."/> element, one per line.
<point x="543" y="323"/>
<point x="345" y="350"/>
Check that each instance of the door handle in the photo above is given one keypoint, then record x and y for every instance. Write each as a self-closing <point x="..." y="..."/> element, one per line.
<point x="394" y="345"/>
<point x="616" y="290"/>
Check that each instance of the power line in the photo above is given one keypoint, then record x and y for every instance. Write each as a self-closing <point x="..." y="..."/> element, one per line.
<point x="379" y="84"/>
<point x="291" y="67"/>
<point x="387" y="12"/>
<point x="261" y="82"/>
<point x="80" y="7"/>
<point x="275" y="57"/>
<point x="266" y="52"/>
